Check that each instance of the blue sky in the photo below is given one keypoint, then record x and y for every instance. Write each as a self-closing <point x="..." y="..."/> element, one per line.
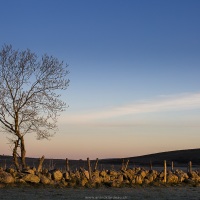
<point x="134" y="72"/>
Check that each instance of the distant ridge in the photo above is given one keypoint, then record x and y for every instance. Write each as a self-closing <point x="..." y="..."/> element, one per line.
<point x="177" y="156"/>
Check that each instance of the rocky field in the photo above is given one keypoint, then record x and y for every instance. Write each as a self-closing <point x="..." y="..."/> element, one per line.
<point x="93" y="179"/>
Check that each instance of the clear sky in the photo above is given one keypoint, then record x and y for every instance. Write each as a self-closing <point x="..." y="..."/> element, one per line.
<point x="134" y="73"/>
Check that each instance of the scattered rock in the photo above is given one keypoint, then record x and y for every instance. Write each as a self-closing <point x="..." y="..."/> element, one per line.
<point x="31" y="178"/>
<point x="44" y="180"/>
<point x="6" y="177"/>
<point x="86" y="173"/>
<point x="57" y="175"/>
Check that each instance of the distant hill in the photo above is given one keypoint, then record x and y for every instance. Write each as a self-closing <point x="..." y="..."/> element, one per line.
<point x="179" y="157"/>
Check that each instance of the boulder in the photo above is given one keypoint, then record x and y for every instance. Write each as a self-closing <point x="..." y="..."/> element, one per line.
<point x="172" y="178"/>
<point x="77" y="174"/>
<point x="86" y="173"/>
<point x="113" y="173"/>
<point x="130" y="171"/>
<point x="31" y="178"/>
<point x="182" y="176"/>
<point x="57" y="175"/>
<point x="10" y="170"/>
<point x="28" y="171"/>
<point x="6" y="177"/>
<point x="44" y="180"/>
<point x="20" y="180"/>
<point x="120" y="178"/>
<point x="103" y="173"/>
<point x="45" y="171"/>
<point x="66" y="176"/>
<point x="83" y="181"/>
<point x="49" y="176"/>
<point x="106" y="179"/>
<point x="193" y="175"/>
<point x="147" y="181"/>
<point x="127" y="175"/>
<point x="150" y="177"/>
<point x="142" y="173"/>
<point x="96" y="173"/>
<point x="138" y="179"/>
<point x="96" y="179"/>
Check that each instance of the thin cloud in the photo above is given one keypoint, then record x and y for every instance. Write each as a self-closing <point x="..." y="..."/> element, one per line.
<point x="160" y="104"/>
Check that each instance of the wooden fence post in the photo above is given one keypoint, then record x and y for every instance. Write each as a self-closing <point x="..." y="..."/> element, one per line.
<point x="96" y="164"/>
<point x="190" y="167"/>
<point x="150" y="165"/>
<point x="172" y="166"/>
<point x="89" y="169"/>
<point x="41" y="160"/>
<point x="165" y="171"/>
<point x="126" y="165"/>
<point x="122" y="168"/>
<point x="67" y="165"/>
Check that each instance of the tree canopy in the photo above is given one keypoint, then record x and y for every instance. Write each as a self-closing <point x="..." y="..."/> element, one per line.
<point x="30" y="100"/>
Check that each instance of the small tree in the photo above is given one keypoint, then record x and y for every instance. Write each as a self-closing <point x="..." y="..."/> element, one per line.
<point x="29" y="99"/>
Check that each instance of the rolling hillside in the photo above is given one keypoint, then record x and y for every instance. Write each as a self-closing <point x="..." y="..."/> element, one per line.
<point x="179" y="157"/>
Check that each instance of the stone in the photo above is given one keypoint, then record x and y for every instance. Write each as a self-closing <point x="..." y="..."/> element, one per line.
<point x="10" y="170"/>
<point x="150" y="177"/>
<point x="96" y="179"/>
<point x="29" y="171"/>
<point x="83" y="182"/>
<point x="31" y="178"/>
<point x="139" y="179"/>
<point x="20" y="180"/>
<point x="130" y="171"/>
<point x="106" y="179"/>
<point x="193" y="175"/>
<point x="103" y="173"/>
<point x="147" y="181"/>
<point x="44" y="180"/>
<point x="66" y="176"/>
<point x="6" y="177"/>
<point x="96" y="173"/>
<point x="77" y="174"/>
<point x="172" y="178"/>
<point x="113" y="173"/>
<point x="128" y="175"/>
<point x="57" y="175"/>
<point x="142" y="173"/>
<point x="45" y="171"/>
<point x="86" y="173"/>
<point x="120" y="178"/>
<point x="49" y="176"/>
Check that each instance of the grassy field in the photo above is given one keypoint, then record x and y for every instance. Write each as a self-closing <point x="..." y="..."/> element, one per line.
<point x="137" y="193"/>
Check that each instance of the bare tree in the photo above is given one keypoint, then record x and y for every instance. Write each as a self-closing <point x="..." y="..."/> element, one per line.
<point x="29" y="99"/>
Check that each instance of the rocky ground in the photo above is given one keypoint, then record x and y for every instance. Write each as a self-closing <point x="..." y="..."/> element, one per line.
<point x="107" y="178"/>
<point x="135" y="183"/>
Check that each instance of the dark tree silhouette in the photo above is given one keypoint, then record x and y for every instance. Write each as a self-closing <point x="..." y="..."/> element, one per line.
<point x="29" y="96"/>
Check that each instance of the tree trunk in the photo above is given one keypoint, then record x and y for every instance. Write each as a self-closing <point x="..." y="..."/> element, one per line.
<point x="23" y="153"/>
<point x="15" y="159"/>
